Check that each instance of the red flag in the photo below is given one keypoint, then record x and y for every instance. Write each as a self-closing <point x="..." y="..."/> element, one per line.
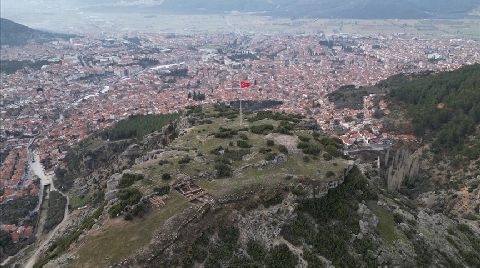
<point x="245" y="84"/>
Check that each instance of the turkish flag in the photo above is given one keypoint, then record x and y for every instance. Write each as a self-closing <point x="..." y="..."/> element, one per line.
<point x="245" y="84"/>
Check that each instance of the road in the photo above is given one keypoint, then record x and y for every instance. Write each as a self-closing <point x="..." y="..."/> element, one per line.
<point x="376" y="147"/>
<point x="37" y="169"/>
<point x="46" y="179"/>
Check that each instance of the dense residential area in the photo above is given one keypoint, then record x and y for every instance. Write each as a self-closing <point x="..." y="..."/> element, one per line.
<point x="89" y="84"/>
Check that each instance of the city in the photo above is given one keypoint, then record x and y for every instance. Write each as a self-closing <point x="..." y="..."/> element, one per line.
<point x="57" y="93"/>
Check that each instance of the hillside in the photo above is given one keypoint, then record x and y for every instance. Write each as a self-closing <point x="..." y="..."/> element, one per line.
<point x="14" y="34"/>
<point x="445" y="106"/>
<point x="441" y="108"/>
<point x="439" y="171"/>
<point x="274" y="192"/>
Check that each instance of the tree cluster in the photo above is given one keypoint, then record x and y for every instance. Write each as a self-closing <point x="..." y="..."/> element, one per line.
<point x="196" y="96"/>
<point x="137" y="126"/>
<point x="326" y="224"/>
<point x="444" y="106"/>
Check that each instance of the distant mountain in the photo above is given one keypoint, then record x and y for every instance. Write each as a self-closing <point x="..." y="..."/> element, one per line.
<point x="359" y="9"/>
<point x="15" y="34"/>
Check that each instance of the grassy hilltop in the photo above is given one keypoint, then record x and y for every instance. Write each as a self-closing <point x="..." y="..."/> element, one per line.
<point x="267" y="157"/>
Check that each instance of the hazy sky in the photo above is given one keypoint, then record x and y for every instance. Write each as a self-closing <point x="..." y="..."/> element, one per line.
<point x="52" y="15"/>
<point x="82" y="16"/>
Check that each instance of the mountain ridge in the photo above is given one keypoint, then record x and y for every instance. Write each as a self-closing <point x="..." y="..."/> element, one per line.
<point x="365" y="9"/>
<point x="16" y="34"/>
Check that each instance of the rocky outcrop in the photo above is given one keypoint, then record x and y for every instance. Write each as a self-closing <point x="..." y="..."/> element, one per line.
<point x="399" y="164"/>
<point x="162" y="249"/>
<point x="265" y="225"/>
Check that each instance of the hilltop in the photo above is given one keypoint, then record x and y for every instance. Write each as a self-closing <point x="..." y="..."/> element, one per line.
<point x="200" y="161"/>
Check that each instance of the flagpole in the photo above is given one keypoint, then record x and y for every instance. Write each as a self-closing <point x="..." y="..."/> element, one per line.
<point x="241" y="115"/>
<point x="242" y="85"/>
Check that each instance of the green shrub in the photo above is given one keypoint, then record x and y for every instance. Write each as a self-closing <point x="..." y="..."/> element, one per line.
<point x="185" y="160"/>
<point x="228" y="235"/>
<point x="303" y="145"/>
<point x="162" y="190"/>
<point x="333" y="150"/>
<point x="223" y="170"/>
<point x="225" y="133"/>
<point x="243" y="144"/>
<point x="138" y="209"/>
<point x="285" y="127"/>
<point x="166" y="176"/>
<point x="312" y="149"/>
<point x="128" y="216"/>
<point x="256" y="250"/>
<point x="309" y="148"/>
<point x="423" y="253"/>
<point x="327" y="157"/>
<point x="261" y="129"/>
<point x="272" y="200"/>
<point x="280" y="256"/>
<point x="270" y="143"/>
<point x="235" y="155"/>
<point x="282" y="149"/>
<point x="129" y="196"/>
<point x="264" y="150"/>
<point x="304" y="138"/>
<point x="270" y="156"/>
<point x="312" y="259"/>
<point x="197" y="109"/>
<point x="398" y="218"/>
<point x="115" y="210"/>
<point x="129" y="179"/>
<point x="243" y="136"/>
<point x="163" y="162"/>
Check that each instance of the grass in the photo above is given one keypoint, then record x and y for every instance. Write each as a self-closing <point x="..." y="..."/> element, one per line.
<point x="199" y="138"/>
<point x="121" y="238"/>
<point x="77" y="201"/>
<point x="272" y="175"/>
<point x="154" y="174"/>
<point x="386" y="223"/>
